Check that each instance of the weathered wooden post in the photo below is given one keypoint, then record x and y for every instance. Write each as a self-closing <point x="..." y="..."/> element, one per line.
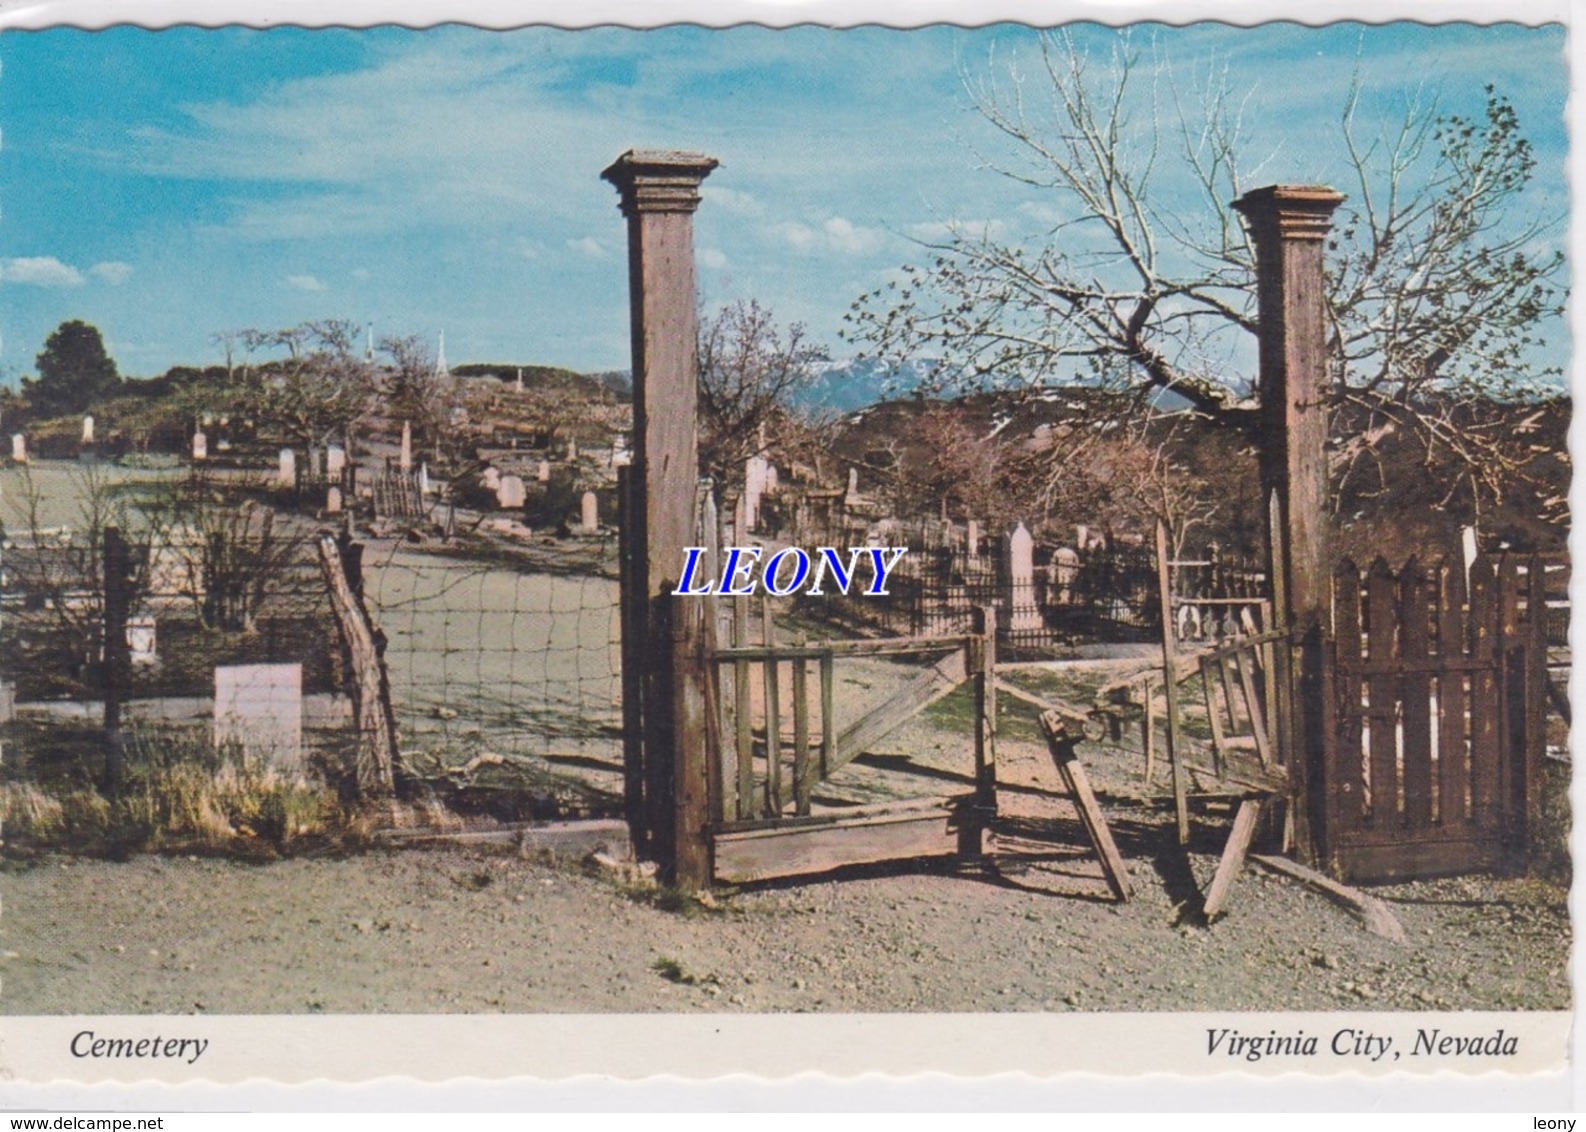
<point x="1289" y="224"/>
<point x="660" y="193"/>
<point x="117" y="580"/>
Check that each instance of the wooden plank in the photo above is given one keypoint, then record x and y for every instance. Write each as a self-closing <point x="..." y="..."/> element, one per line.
<point x="828" y="717"/>
<point x="985" y="666"/>
<point x="773" y="715"/>
<point x="743" y="723"/>
<point x="803" y="780"/>
<point x="1376" y="916"/>
<point x="1148" y="727"/>
<point x="1537" y="691"/>
<point x="1175" y="741"/>
<point x="862" y="646"/>
<point x="1383" y="690"/>
<point x="1345" y="774"/>
<point x="1076" y="716"/>
<point x="1485" y="752"/>
<point x="1416" y="696"/>
<point x="1233" y="858"/>
<point x="1061" y="745"/>
<point x="1214" y="716"/>
<point x="1253" y="712"/>
<point x="1453" y="765"/>
<point x="631" y="613"/>
<point x="914" y="697"/>
<point x="788" y="849"/>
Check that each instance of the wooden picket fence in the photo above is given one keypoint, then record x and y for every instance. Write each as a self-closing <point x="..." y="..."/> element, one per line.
<point x="1437" y="683"/>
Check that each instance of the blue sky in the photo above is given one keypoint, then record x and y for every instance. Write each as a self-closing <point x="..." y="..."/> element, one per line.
<point x="166" y="185"/>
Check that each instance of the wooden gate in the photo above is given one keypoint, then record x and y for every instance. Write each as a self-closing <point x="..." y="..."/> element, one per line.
<point x="777" y="737"/>
<point x="1438" y="691"/>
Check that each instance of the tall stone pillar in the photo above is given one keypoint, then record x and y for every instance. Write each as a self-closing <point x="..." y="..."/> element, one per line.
<point x="1289" y="224"/>
<point x="660" y="193"/>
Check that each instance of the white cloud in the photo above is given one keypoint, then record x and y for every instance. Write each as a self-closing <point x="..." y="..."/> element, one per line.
<point x="940" y="231"/>
<point x="40" y="271"/>
<point x="112" y="271"/>
<point x="305" y="283"/>
<point x="846" y="236"/>
<point x="732" y="200"/>
<point x="588" y="246"/>
<point x="713" y="258"/>
<point x="836" y="234"/>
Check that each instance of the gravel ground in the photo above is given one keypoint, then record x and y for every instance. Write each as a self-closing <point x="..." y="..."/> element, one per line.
<point x="459" y="931"/>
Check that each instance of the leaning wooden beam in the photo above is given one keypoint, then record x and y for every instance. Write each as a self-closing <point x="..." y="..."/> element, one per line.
<point x="1170" y="678"/>
<point x="1373" y="913"/>
<point x="1072" y="715"/>
<point x="374" y="767"/>
<point x="1233" y="858"/>
<point x="1061" y="744"/>
<point x="914" y="697"/>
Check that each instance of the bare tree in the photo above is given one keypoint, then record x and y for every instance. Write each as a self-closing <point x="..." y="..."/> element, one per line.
<point x="1438" y="283"/>
<point x="319" y="391"/>
<point x="750" y="370"/>
<point x="417" y="390"/>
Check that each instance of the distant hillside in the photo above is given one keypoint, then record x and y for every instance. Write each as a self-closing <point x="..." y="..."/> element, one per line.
<point x="552" y="379"/>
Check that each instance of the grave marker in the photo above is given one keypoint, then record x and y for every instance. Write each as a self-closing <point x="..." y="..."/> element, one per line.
<point x="19" y="448"/>
<point x="510" y="494"/>
<point x="335" y="459"/>
<point x="405" y="456"/>
<point x="200" y="445"/>
<point x="88" y="429"/>
<point x="259" y="708"/>
<point x="590" y="513"/>
<point x="333" y="500"/>
<point x="1022" y="610"/>
<point x="286" y="470"/>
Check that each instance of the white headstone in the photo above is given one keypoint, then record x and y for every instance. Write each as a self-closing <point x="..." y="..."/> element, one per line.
<point x="1467" y="545"/>
<point x="200" y="446"/>
<point x="19" y="448"/>
<point x="286" y="471"/>
<point x="510" y="494"/>
<point x="405" y="457"/>
<point x="424" y="479"/>
<point x="335" y="459"/>
<point x="572" y="449"/>
<point x="1065" y="572"/>
<point x="853" y="481"/>
<point x="333" y="500"/>
<point x="1023" y="612"/>
<point x="972" y="539"/>
<point x="491" y="479"/>
<point x="141" y="640"/>
<point x="543" y="472"/>
<point x="259" y="708"/>
<point x="590" y="513"/>
<point x="754" y="469"/>
<point x="1082" y="537"/>
<point x="88" y="429"/>
<point x="520" y="379"/>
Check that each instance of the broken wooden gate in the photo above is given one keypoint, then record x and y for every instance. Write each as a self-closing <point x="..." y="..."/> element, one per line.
<point x="1438" y="692"/>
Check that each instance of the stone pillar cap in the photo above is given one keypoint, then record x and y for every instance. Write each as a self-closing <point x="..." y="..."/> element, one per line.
<point x="659" y="180"/>
<point x="1301" y="212"/>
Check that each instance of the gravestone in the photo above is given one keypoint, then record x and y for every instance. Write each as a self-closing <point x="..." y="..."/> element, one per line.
<point x="1022" y="610"/>
<point x="853" y="483"/>
<point x="405" y="456"/>
<point x="543" y="472"/>
<point x="8" y="701"/>
<point x="141" y="640"/>
<point x="753" y="486"/>
<point x="335" y="459"/>
<point x="286" y="471"/>
<point x="972" y="539"/>
<point x="200" y="445"/>
<point x="590" y="513"/>
<point x="88" y="429"/>
<point x="1065" y="572"/>
<point x="572" y="450"/>
<point x="1082" y="537"/>
<point x="424" y="479"/>
<point x="259" y="708"/>
<point x="19" y="448"/>
<point x="333" y="500"/>
<point x="490" y="479"/>
<point x="510" y="494"/>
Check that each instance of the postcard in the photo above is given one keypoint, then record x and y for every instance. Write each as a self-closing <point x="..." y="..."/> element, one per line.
<point x="1035" y="546"/>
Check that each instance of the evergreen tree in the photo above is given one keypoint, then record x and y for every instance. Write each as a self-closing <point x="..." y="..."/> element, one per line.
<point x="74" y="372"/>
